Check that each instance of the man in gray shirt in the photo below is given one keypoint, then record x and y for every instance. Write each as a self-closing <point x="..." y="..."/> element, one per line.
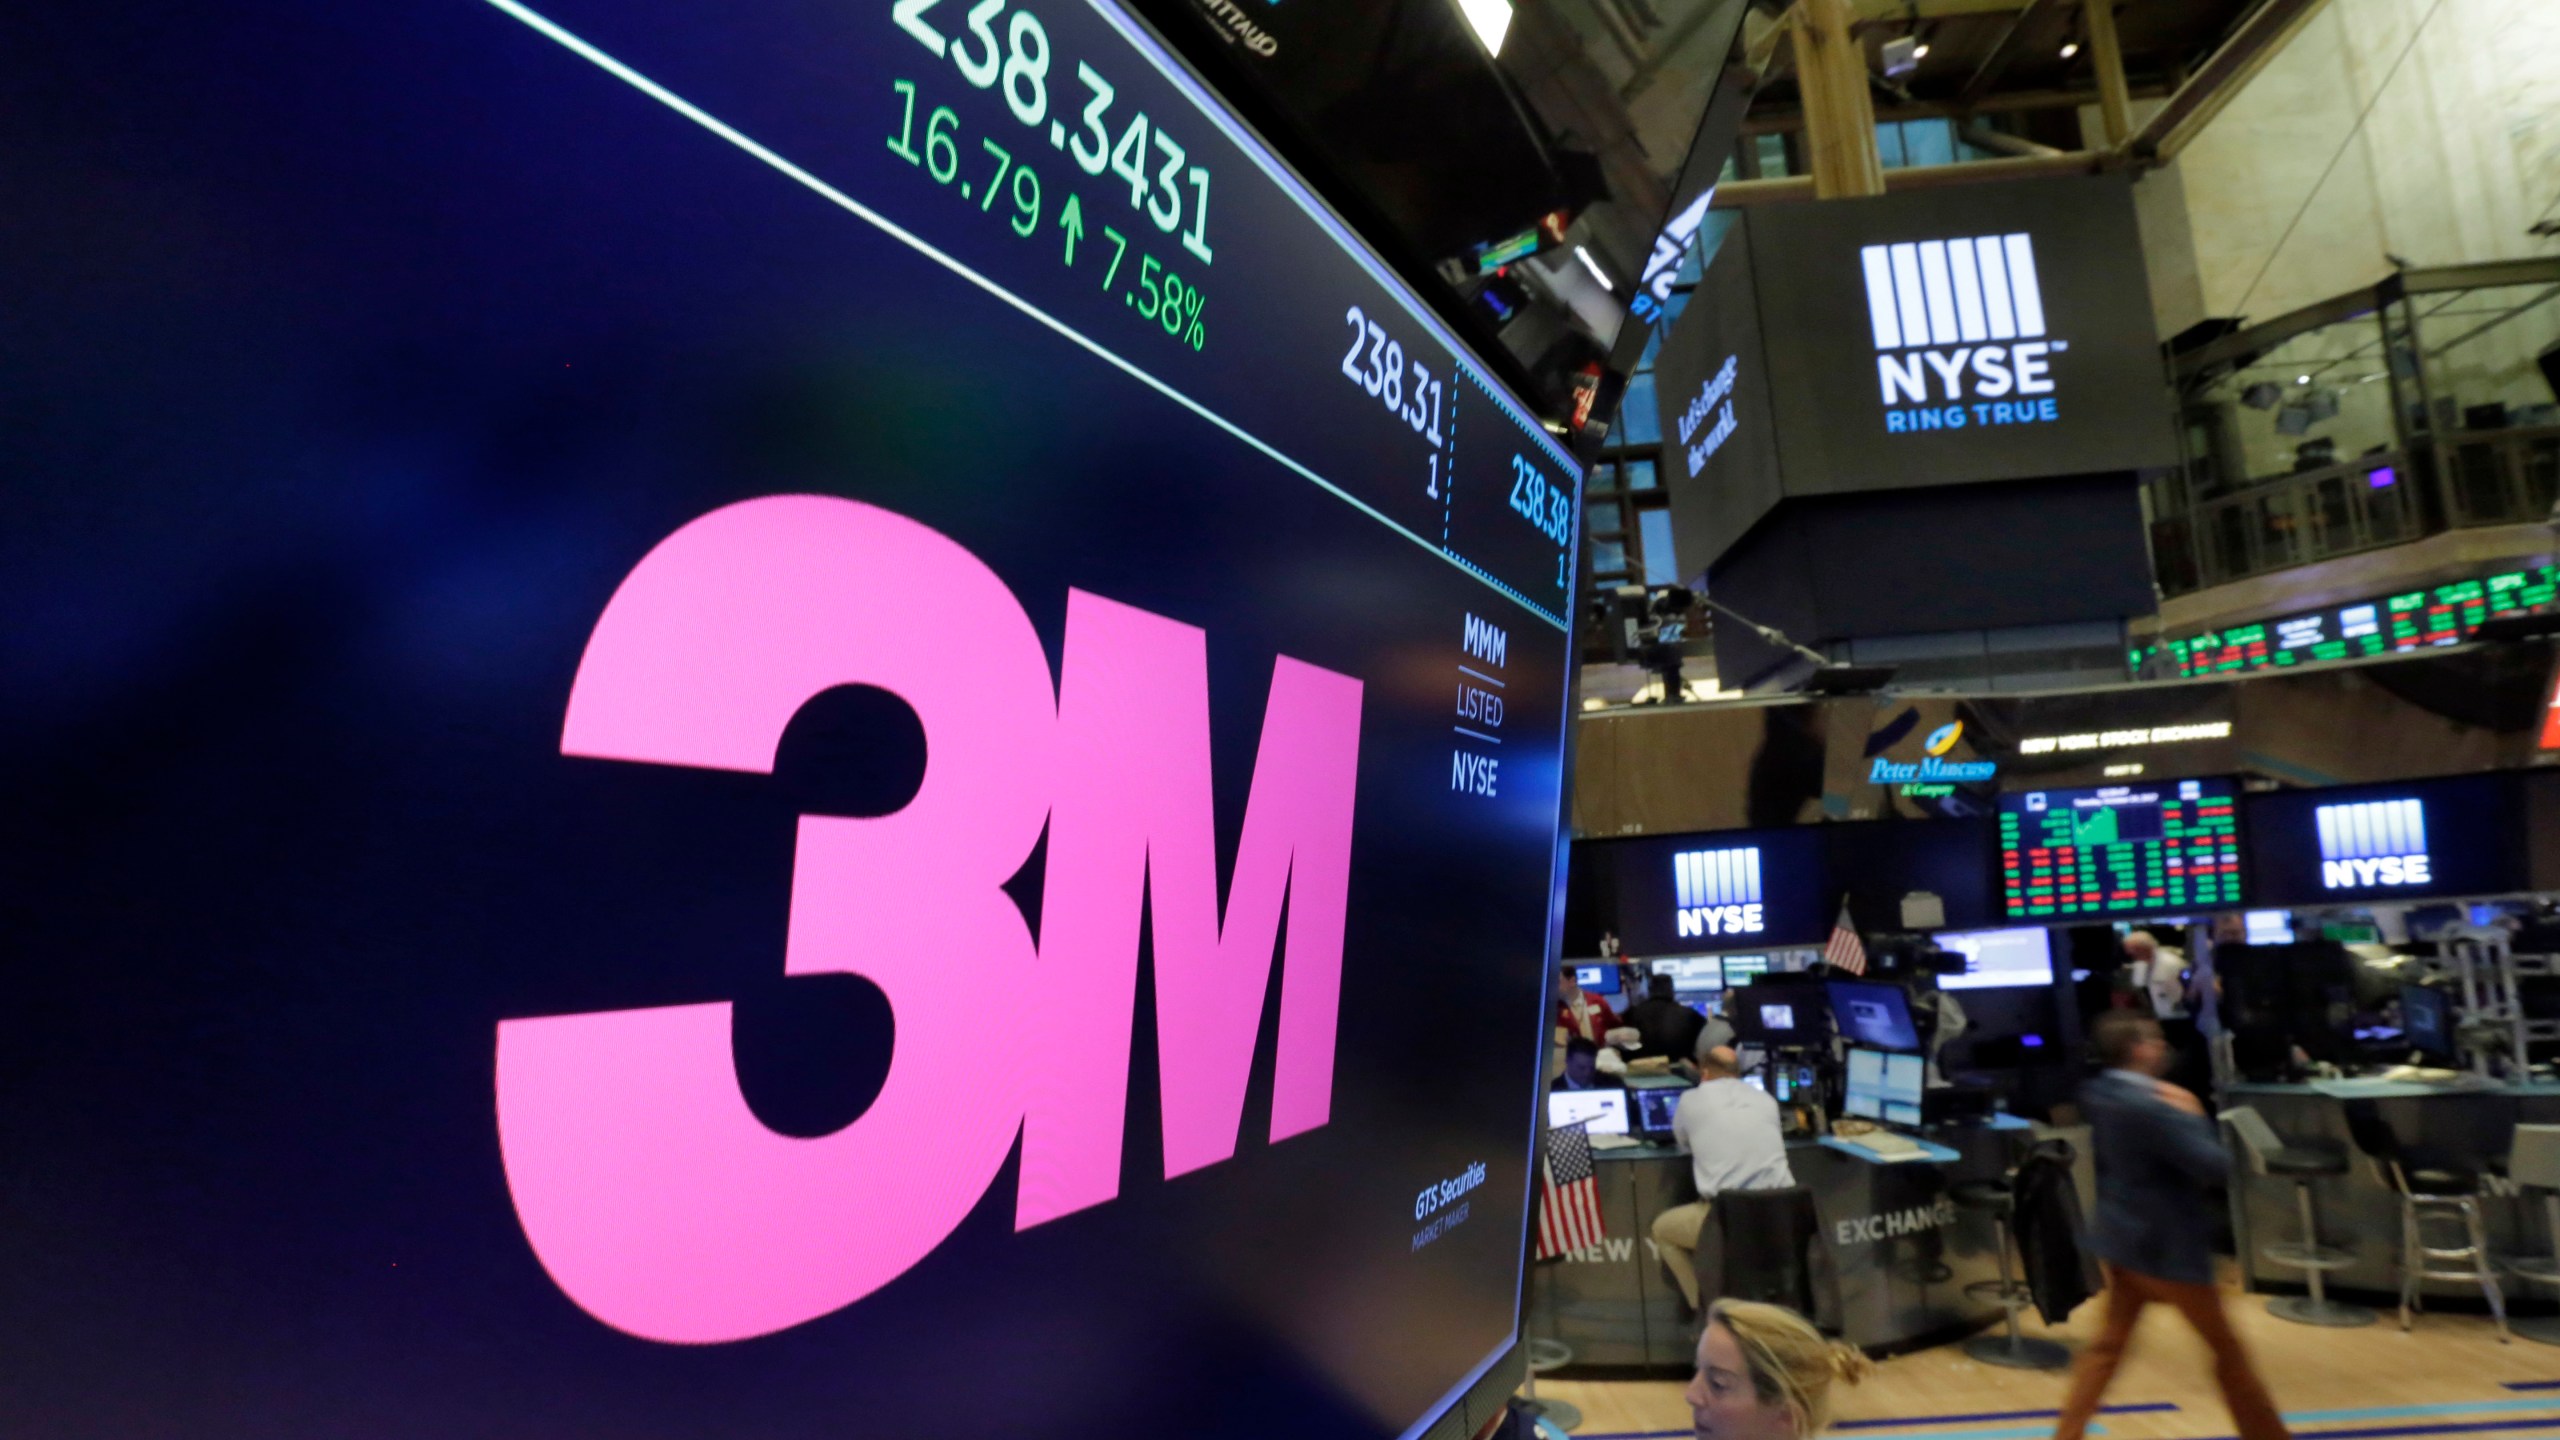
<point x="1734" y="1142"/>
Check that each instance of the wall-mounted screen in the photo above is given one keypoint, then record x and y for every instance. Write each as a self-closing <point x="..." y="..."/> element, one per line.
<point x="1998" y="958"/>
<point x="2158" y="848"/>
<point x="1722" y="890"/>
<point x="2421" y="839"/>
<point x="584" y="578"/>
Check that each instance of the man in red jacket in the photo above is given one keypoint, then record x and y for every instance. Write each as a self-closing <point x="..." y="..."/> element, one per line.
<point x="1579" y="1015"/>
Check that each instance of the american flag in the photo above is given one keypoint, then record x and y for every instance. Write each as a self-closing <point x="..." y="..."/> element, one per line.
<point x="1846" y="951"/>
<point x="1568" y="1195"/>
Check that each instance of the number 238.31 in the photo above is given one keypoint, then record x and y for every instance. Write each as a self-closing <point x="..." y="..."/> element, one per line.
<point x="1382" y="371"/>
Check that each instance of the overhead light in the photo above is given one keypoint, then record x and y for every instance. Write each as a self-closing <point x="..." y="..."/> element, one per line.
<point x="1594" y="267"/>
<point x="1901" y="56"/>
<point x="2301" y="379"/>
<point x="1491" y="19"/>
<point x="2070" y="48"/>
<point x="1920" y="51"/>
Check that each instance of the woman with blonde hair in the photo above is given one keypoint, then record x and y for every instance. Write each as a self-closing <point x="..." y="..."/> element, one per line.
<point x="1764" y="1373"/>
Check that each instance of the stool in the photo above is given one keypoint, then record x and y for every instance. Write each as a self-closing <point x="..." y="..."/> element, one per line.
<point x="2010" y="1348"/>
<point x="2430" y="1188"/>
<point x="2302" y="1164"/>
<point x="1545" y="1355"/>
<point x="2534" y="1164"/>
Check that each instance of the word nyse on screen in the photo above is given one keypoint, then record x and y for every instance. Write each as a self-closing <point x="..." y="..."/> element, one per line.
<point x="649" y="1190"/>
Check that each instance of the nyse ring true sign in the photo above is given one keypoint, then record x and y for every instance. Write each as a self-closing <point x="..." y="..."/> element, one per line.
<point x="1960" y="333"/>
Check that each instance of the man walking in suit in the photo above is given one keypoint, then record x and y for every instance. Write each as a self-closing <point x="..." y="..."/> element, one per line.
<point x="2157" y="1155"/>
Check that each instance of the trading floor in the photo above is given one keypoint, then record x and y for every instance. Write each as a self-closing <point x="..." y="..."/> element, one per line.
<point x="2447" y="1377"/>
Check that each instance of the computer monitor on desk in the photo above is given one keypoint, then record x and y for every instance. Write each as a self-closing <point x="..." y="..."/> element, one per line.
<point x="1655" y="1107"/>
<point x="1875" y="1014"/>
<point x="2427" y="1022"/>
<point x="1600" y="1112"/>
<point x="1883" y="1086"/>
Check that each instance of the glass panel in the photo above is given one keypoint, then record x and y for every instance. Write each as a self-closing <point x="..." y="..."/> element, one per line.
<point x="1889" y="146"/>
<point x="1773" y="155"/>
<point x="1637" y="422"/>
<point x="1639" y="475"/>
<point x="1603" y="480"/>
<point x="1652" y="347"/>
<point x="1928" y="142"/>
<point x="1660" y="568"/>
<point x="1608" y="557"/>
<point x="1602" y="517"/>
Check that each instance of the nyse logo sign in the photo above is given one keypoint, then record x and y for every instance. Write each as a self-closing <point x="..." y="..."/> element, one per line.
<point x="1959" y="330"/>
<point x="648" y="1189"/>
<point x="2380" y="842"/>
<point x="1718" y="891"/>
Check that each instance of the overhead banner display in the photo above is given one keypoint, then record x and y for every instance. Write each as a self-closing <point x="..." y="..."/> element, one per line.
<point x="2419" y="839"/>
<point x="626" y="618"/>
<point x="1678" y="895"/>
<point x="1922" y="338"/>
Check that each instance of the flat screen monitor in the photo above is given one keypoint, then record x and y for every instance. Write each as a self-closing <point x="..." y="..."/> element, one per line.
<point x="2269" y="927"/>
<point x="1863" y="1094"/>
<point x="1743" y="969"/>
<point x="1782" y="1015"/>
<point x="502" y="501"/>
<point x="1602" y="1112"/>
<point x="1874" y="1013"/>
<point x="2449" y="837"/>
<point x="1904" y="1076"/>
<point x="2426" y="1020"/>
<point x="1995" y="959"/>
<point x="2169" y="847"/>
<point x="1600" y="979"/>
<point x="1655" y="1107"/>
<point x="1694" y="972"/>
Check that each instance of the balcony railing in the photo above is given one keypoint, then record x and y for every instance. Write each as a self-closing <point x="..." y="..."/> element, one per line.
<point x="2487" y="478"/>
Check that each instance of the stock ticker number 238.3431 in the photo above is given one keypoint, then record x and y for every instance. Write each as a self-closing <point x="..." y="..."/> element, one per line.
<point x="1171" y="193"/>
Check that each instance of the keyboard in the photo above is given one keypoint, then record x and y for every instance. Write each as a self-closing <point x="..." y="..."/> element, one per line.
<point x="1614" y="1142"/>
<point x="1884" y="1144"/>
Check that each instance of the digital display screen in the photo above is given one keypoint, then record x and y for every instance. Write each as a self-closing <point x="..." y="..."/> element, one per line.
<point x="1597" y="979"/>
<point x="2426" y="1021"/>
<point x="2420" y="839"/>
<point x="1602" y="1112"/>
<point x="1874" y="1013"/>
<point x="2382" y="625"/>
<point x="622" y="618"/>
<point x="1656" y="1107"/>
<point x="1864" y="1094"/>
<point x="1997" y="958"/>
<point x="1700" y="972"/>
<point x="2113" y="850"/>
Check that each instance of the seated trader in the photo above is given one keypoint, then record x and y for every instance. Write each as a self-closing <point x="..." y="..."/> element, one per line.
<point x="1670" y="1029"/>
<point x="1734" y="1142"/>
<point x="1718" y="1032"/>
<point x="1582" y="1069"/>
<point x="1582" y="1016"/>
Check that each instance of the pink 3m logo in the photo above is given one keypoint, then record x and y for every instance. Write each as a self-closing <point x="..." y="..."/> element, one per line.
<point x="648" y="1189"/>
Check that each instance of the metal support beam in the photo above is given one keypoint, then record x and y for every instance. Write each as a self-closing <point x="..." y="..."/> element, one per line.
<point x="2106" y="54"/>
<point x="1840" y="119"/>
<point x="1740" y="194"/>
<point x="2212" y="86"/>
<point x="1988" y="74"/>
